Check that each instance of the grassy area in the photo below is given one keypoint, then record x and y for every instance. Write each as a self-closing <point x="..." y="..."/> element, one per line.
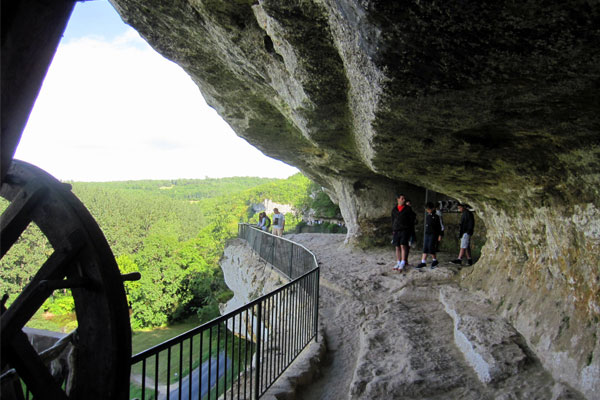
<point x="146" y="339"/>
<point x="135" y="392"/>
<point x="140" y="340"/>
<point x="56" y="323"/>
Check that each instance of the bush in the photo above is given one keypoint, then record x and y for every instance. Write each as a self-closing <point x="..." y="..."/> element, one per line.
<point x="59" y="305"/>
<point x="224" y="296"/>
<point x="300" y="225"/>
<point x="208" y="312"/>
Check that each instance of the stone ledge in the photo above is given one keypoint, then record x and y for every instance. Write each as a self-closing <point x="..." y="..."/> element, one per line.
<point x="489" y="343"/>
<point x="303" y="371"/>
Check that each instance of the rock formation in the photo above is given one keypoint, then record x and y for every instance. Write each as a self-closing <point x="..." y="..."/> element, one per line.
<point x="489" y="102"/>
<point x="246" y="275"/>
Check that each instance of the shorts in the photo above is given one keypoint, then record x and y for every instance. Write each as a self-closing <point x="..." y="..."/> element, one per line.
<point x="465" y="241"/>
<point x="429" y="244"/>
<point x="401" y="238"/>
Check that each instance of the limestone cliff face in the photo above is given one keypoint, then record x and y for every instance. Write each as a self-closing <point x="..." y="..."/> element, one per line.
<point x="489" y="102"/>
<point x="246" y="275"/>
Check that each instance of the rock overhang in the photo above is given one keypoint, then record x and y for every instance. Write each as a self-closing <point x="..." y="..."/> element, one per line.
<point x="489" y="102"/>
<point x="440" y="95"/>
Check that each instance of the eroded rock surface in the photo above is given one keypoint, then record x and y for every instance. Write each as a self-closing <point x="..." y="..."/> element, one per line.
<point x="246" y="275"/>
<point x="489" y="102"/>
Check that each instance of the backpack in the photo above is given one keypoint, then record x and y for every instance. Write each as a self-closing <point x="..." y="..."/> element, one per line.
<point x="267" y="222"/>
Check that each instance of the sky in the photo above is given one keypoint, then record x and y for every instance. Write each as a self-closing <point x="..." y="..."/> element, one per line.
<point x="111" y="108"/>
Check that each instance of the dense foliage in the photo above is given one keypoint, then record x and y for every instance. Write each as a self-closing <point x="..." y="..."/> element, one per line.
<point x="320" y="203"/>
<point x="172" y="232"/>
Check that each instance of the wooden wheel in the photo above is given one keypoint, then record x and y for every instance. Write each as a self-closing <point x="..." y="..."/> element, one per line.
<point x="83" y="262"/>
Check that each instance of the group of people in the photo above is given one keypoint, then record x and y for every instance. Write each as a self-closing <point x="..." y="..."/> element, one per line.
<point x="278" y="222"/>
<point x="403" y="227"/>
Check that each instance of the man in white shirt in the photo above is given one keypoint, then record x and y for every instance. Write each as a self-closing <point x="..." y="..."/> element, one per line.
<point x="278" y="222"/>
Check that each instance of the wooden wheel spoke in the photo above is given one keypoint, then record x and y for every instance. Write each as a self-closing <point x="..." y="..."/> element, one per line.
<point x="82" y="261"/>
<point x="40" y="287"/>
<point x="17" y="215"/>
<point x="30" y="367"/>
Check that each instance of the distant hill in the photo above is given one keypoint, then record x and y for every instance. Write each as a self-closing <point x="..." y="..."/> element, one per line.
<point x="184" y="189"/>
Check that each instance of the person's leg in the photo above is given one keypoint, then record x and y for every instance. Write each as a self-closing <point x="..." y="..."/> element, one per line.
<point x="423" y="260"/>
<point x="468" y="254"/>
<point x="463" y="244"/>
<point x="396" y="243"/>
<point x="427" y="249"/>
<point x="466" y="245"/>
<point x="402" y="242"/>
<point x="404" y="251"/>
<point x="434" y="261"/>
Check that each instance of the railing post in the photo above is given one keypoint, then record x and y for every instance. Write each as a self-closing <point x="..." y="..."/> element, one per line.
<point x="318" y="271"/>
<point x="258" y="349"/>
<point x="291" y="259"/>
<point x="273" y="241"/>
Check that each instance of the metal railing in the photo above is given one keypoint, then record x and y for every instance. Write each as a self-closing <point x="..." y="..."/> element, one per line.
<point x="289" y="258"/>
<point x="238" y="355"/>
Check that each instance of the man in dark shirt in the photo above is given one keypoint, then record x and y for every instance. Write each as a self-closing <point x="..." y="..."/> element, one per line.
<point x="403" y="221"/>
<point x="467" y="225"/>
<point x="433" y="234"/>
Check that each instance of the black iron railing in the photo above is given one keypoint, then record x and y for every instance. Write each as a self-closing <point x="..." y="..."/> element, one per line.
<point x="290" y="258"/>
<point x="238" y="355"/>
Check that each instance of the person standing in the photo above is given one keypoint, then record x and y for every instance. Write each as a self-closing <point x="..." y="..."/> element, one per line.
<point x="278" y="222"/>
<point x="403" y="221"/>
<point x="467" y="226"/>
<point x="432" y="236"/>
<point x="264" y="222"/>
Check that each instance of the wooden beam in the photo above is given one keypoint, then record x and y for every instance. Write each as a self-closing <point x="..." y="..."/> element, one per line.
<point x="30" y="33"/>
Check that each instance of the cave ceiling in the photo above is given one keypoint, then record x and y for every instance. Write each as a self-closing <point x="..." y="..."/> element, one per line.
<point x="486" y="101"/>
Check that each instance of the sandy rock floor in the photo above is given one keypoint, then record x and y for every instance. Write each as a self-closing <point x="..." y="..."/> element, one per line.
<point x="389" y="336"/>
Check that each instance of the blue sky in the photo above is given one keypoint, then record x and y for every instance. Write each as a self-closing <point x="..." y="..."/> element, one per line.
<point x="111" y="108"/>
<point x="95" y="18"/>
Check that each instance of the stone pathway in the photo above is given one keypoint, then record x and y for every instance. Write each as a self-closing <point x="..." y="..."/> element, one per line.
<point x="413" y="335"/>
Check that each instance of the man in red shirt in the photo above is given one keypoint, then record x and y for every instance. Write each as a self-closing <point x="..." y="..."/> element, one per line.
<point x="403" y="225"/>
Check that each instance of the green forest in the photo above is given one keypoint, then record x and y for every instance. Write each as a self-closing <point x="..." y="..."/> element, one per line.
<point x="172" y="231"/>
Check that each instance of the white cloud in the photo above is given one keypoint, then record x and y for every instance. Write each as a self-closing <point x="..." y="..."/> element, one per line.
<point x="118" y="110"/>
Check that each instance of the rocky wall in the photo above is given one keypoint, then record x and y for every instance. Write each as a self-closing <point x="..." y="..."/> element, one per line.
<point x="541" y="272"/>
